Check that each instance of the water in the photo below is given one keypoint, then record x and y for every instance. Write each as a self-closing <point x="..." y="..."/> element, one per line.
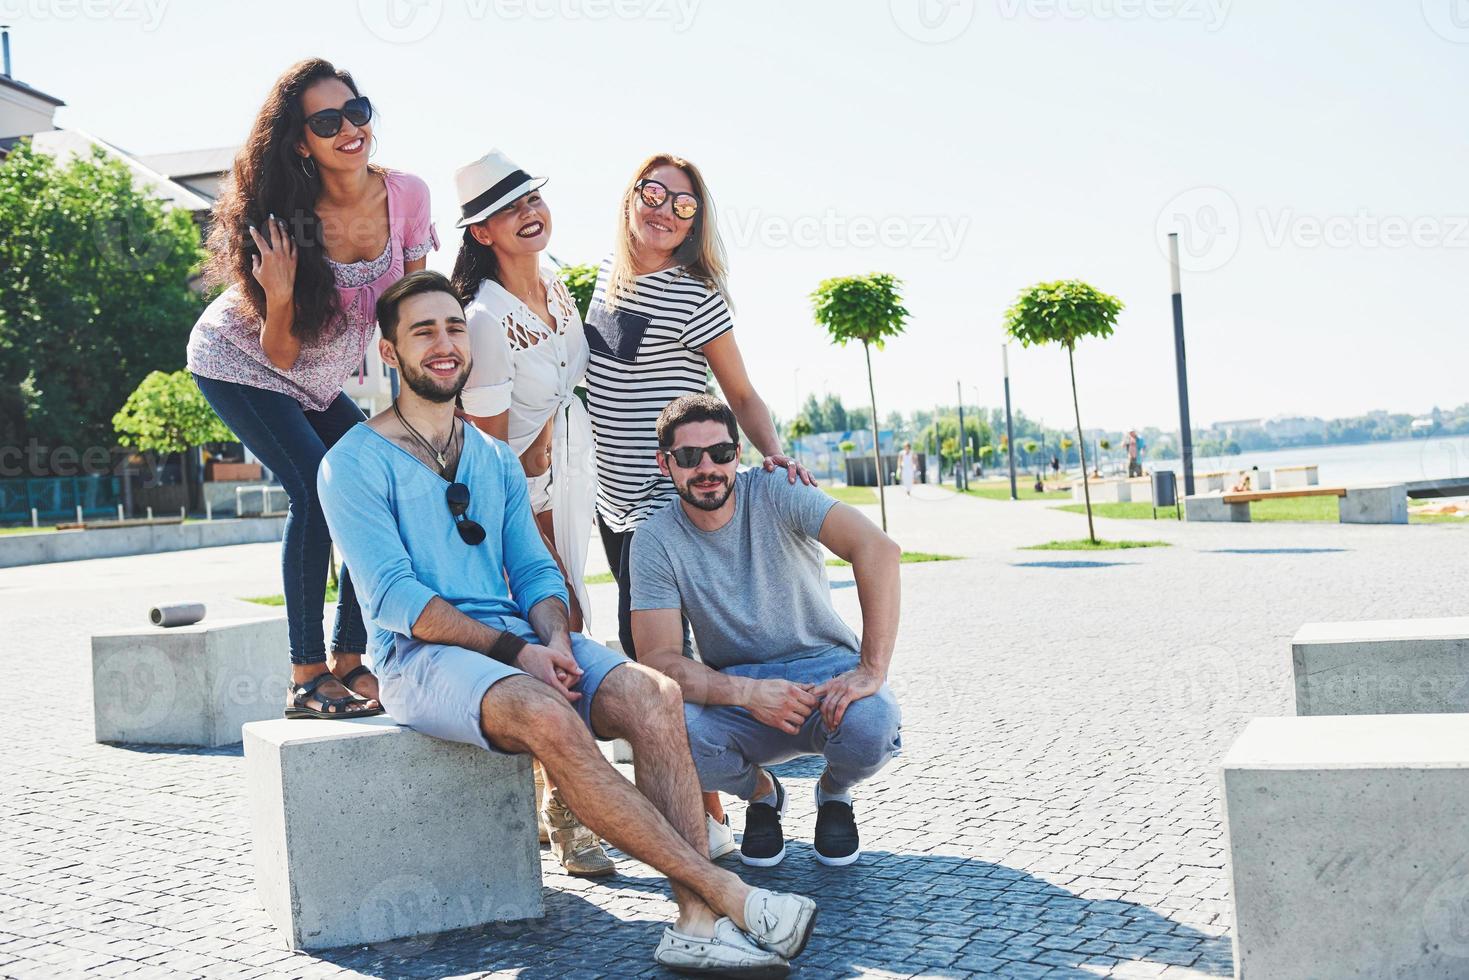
<point x="1378" y="462"/>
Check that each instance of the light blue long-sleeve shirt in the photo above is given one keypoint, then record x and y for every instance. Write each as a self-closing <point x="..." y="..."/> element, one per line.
<point x="387" y="514"/>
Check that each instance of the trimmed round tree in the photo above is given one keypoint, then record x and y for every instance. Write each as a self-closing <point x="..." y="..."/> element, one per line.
<point x="1064" y="312"/>
<point x="868" y="309"/>
<point x="167" y="414"/>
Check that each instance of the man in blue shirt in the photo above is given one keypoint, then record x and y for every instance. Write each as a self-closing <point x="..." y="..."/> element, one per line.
<point x="470" y="639"/>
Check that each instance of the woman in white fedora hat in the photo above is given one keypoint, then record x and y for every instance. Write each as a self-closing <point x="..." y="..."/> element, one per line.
<point x="530" y="354"/>
<point x="660" y="320"/>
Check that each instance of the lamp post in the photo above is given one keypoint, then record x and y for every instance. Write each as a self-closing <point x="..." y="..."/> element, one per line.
<point x="963" y="443"/>
<point x="1181" y="361"/>
<point x="1009" y="423"/>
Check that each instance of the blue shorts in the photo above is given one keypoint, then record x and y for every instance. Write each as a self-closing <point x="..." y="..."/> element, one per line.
<point x="437" y="689"/>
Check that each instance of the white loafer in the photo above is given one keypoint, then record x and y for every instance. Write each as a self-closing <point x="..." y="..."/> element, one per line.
<point x="728" y="953"/>
<point x="779" y="922"/>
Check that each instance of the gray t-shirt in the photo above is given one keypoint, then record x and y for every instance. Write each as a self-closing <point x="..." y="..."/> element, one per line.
<point x="755" y="591"/>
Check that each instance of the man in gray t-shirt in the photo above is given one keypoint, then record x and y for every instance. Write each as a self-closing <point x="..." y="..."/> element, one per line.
<point x="782" y="676"/>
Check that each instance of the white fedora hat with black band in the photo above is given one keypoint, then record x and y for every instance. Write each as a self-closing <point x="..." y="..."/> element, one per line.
<point x="488" y="184"/>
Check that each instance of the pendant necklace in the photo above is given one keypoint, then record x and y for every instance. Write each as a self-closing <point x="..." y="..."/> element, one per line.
<point x="437" y="454"/>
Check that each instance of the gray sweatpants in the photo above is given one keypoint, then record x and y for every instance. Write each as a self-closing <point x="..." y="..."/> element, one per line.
<point x="729" y="745"/>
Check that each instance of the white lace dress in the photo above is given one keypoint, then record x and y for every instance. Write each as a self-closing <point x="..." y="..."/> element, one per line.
<point x="531" y="368"/>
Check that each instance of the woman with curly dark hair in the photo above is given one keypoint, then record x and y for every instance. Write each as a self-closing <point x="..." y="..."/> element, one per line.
<point x="306" y="236"/>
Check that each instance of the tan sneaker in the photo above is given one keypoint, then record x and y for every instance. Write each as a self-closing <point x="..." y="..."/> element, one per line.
<point x="575" y="846"/>
<point x="542" y="831"/>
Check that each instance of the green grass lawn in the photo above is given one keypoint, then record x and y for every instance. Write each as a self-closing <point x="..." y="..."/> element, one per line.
<point x="1086" y="544"/>
<point x="853" y="495"/>
<point x="1323" y="509"/>
<point x="1024" y="488"/>
<point x="909" y="558"/>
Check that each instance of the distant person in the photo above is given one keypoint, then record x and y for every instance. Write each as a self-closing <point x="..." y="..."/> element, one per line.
<point x="907" y="467"/>
<point x="1242" y="485"/>
<point x="783" y="676"/>
<point x="1133" y="445"/>
<point x="1056" y="465"/>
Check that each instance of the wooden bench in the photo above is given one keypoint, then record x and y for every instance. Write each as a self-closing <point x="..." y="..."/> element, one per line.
<point x="1380" y="504"/>
<point x="1428" y="489"/>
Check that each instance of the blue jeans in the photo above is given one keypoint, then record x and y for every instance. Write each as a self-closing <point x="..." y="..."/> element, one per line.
<point x="730" y="746"/>
<point x="291" y="442"/>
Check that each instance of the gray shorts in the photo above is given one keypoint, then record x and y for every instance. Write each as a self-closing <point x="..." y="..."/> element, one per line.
<point x="437" y="689"/>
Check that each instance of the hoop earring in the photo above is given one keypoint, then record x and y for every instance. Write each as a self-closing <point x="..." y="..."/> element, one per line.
<point x="310" y="174"/>
<point x="372" y="151"/>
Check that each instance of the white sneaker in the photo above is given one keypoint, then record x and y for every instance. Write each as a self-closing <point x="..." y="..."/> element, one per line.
<point x="721" y="837"/>
<point x="729" y="953"/>
<point x="779" y="922"/>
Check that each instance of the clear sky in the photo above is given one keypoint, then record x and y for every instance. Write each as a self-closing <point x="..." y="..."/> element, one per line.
<point x="1314" y="153"/>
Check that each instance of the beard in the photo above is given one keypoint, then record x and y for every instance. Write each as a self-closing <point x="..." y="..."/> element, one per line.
<point x="432" y="389"/>
<point x="688" y="493"/>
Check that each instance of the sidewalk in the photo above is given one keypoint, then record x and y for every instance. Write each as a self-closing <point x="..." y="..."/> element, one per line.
<point x="1054" y="812"/>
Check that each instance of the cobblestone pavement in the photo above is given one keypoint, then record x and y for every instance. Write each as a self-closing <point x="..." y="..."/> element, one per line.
<point x="1055" y="811"/>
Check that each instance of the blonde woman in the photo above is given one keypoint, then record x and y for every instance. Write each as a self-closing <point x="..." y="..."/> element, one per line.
<point x="660" y="320"/>
<point x="529" y="354"/>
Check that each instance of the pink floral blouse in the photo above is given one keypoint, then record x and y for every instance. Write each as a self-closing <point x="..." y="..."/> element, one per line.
<point x="225" y="343"/>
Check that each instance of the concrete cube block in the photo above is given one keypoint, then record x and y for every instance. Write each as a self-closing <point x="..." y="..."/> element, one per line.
<point x="1211" y="507"/>
<point x="1296" y="476"/>
<point x="190" y="685"/>
<point x="1386" y="504"/>
<point x="1382" y="667"/>
<point x="1348" y="844"/>
<point x="366" y="832"/>
<point x="1103" y="491"/>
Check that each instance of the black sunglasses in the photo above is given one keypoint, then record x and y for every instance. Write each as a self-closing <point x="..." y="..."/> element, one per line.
<point x="688" y="456"/>
<point x="328" y="122"/>
<point x="457" y="496"/>
<point x="653" y="193"/>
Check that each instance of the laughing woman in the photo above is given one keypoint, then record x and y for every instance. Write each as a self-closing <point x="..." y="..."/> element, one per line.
<point x="530" y="354"/>
<point x="659" y="321"/>
<point x="305" y="237"/>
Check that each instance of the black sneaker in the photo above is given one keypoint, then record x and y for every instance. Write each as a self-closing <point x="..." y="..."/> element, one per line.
<point x="764" y="845"/>
<point x="836" y="840"/>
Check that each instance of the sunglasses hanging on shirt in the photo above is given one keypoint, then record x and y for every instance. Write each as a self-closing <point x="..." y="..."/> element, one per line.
<point x="457" y="496"/>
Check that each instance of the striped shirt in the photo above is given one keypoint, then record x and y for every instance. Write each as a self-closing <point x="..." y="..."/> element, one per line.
<point x="644" y="354"/>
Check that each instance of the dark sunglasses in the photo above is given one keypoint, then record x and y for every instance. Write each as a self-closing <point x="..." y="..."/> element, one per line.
<point x="685" y="205"/>
<point x="328" y="122"/>
<point x="457" y="496"/>
<point x="688" y="456"/>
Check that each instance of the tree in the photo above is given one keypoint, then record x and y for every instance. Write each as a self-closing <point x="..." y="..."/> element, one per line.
<point x="868" y="309"/>
<point x="581" y="282"/>
<point x="167" y="414"/>
<point x="799" y="427"/>
<point x="1064" y="312"/>
<point x="94" y="294"/>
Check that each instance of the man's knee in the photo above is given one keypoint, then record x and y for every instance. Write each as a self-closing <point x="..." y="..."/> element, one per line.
<point x="869" y="734"/>
<point x="524" y="715"/>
